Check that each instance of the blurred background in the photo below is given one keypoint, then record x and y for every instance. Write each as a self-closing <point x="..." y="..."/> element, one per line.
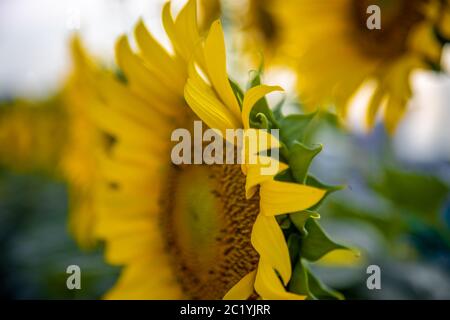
<point x="396" y="206"/>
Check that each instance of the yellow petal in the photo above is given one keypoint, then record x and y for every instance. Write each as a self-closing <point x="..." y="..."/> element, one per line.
<point x="158" y="59"/>
<point x="205" y="105"/>
<point x="187" y="31"/>
<point x="215" y="59"/>
<point x="243" y="289"/>
<point x="269" y="286"/>
<point x="256" y="143"/>
<point x="169" y="27"/>
<point x="82" y="220"/>
<point x="254" y="176"/>
<point x="119" y="171"/>
<point x="146" y="84"/>
<point x="395" y="109"/>
<point x="134" y="282"/>
<point x="251" y="97"/>
<point x="123" y="128"/>
<point x="374" y="105"/>
<point x="79" y="56"/>
<point x="125" y="249"/>
<point x="268" y="240"/>
<point x="284" y="197"/>
<point x="341" y="258"/>
<point x="118" y="97"/>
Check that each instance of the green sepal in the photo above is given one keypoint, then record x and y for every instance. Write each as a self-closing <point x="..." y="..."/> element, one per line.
<point x="304" y="282"/>
<point x="261" y="106"/>
<point x="283" y="221"/>
<point x="254" y="78"/>
<point x="293" y="243"/>
<point x="321" y="290"/>
<point x="293" y="127"/>
<point x="314" y="182"/>
<point x="284" y="176"/>
<point x="317" y="243"/>
<point x="263" y="121"/>
<point x="277" y="110"/>
<point x="299" y="280"/>
<point x="238" y="92"/>
<point x="299" y="220"/>
<point x="300" y="158"/>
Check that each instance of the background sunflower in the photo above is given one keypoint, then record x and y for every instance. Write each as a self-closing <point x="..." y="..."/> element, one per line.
<point x="334" y="53"/>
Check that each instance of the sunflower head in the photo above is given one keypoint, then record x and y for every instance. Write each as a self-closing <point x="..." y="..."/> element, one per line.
<point x="203" y="230"/>
<point x="334" y="53"/>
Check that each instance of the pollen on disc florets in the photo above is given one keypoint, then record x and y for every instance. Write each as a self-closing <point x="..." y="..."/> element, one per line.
<point x="207" y="223"/>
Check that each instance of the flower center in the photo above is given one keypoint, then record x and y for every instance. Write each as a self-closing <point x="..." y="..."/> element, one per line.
<point x="265" y="20"/>
<point x="207" y="223"/>
<point x="398" y="17"/>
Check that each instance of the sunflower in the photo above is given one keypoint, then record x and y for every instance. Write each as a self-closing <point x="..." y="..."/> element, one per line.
<point x="209" y="11"/>
<point x="77" y="161"/>
<point x="206" y="231"/>
<point x="333" y="52"/>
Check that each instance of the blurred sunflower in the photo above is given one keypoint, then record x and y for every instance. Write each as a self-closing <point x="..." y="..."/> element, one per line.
<point x="334" y="53"/>
<point x="209" y="10"/>
<point x="78" y="161"/>
<point x="199" y="231"/>
<point x="57" y="137"/>
<point x="31" y="134"/>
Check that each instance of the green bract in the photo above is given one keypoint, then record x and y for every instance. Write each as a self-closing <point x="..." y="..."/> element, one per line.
<point x="307" y="241"/>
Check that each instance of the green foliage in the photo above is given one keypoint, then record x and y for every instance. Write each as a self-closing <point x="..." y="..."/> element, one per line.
<point x="317" y="243"/>
<point x="300" y="160"/>
<point x="299" y="220"/>
<point x="261" y="116"/>
<point x="306" y="240"/>
<point x="412" y="191"/>
<point x="239" y="94"/>
<point x="305" y="283"/>
<point x="31" y="208"/>
<point x="293" y="128"/>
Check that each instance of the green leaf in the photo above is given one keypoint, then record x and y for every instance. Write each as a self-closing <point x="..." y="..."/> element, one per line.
<point x="423" y="194"/>
<point x="390" y="224"/>
<point x="300" y="159"/>
<point x="255" y="78"/>
<point x="294" y="126"/>
<point x="299" y="220"/>
<point x="317" y="243"/>
<point x="277" y="110"/>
